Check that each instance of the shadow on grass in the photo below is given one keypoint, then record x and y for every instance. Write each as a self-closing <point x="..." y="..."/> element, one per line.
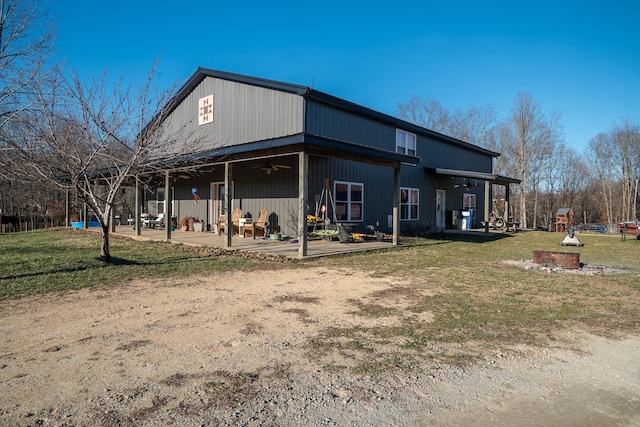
<point x="469" y="237"/>
<point x="97" y="263"/>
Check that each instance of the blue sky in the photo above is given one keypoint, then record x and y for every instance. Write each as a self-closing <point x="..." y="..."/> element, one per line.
<point x="579" y="58"/>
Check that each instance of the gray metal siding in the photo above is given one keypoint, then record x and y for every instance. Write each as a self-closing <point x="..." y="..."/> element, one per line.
<point x="277" y="192"/>
<point x="253" y="190"/>
<point x="377" y="182"/>
<point x="242" y="114"/>
<point x="439" y="154"/>
<point x="331" y="122"/>
<point x="245" y="113"/>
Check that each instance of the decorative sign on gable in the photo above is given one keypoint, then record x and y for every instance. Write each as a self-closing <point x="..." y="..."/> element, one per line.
<point x="205" y="110"/>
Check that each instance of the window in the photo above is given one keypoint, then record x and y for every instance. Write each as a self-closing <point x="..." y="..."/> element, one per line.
<point x="349" y="198"/>
<point x="468" y="201"/>
<point x="160" y="199"/>
<point x="409" y="202"/>
<point x="405" y="142"/>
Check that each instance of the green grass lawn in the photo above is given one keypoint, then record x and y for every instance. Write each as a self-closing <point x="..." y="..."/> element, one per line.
<point x="478" y="302"/>
<point x="44" y="261"/>
<point x="471" y="296"/>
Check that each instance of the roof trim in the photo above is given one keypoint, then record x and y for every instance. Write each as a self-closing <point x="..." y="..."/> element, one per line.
<point x="361" y="150"/>
<point x="475" y="175"/>
<point x="300" y="142"/>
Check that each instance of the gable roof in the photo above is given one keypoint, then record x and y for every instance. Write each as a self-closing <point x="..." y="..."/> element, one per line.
<point x="201" y="73"/>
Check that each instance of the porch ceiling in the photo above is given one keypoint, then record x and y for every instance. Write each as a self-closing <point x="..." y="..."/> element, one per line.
<point x="492" y="178"/>
<point x="310" y="144"/>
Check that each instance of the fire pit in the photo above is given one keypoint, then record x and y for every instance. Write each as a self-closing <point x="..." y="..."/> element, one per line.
<point x="557" y="259"/>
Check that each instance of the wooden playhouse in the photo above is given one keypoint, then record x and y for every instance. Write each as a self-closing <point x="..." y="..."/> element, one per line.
<point x="564" y="219"/>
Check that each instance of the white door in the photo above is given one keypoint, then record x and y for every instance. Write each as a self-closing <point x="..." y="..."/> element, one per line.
<point x="441" y="210"/>
<point x="217" y="208"/>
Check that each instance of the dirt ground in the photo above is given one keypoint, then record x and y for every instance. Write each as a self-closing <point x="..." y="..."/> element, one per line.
<point x="232" y="349"/>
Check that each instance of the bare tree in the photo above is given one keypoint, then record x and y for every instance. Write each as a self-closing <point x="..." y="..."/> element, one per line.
<point x="93" y="139"/>
<point x="26" y="43"/>
<point x="531" y="138"/>
<point x="626" y="154"/>
<point x="573" y="175"/>
<point x="474" y="124"/>
<point x="551" y="169"/>
<point x="599" y="158"/>
<point x="614" y="158"/>
<point x="425" y="112"/>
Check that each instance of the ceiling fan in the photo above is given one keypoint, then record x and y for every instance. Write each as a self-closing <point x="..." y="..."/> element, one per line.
<point x="467" y="184"/>
<point x="271" y="167"/>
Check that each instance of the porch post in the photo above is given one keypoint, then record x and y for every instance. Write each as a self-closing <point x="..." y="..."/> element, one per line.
<point x="167" y="207"/>
<point x="137" y="213"/>
<point x="507" y="203"/>
<point x="303" y="189"/>
<point x="228" y="198"/>
<point x="487" y="199"/>
<point x="396" y="202"/>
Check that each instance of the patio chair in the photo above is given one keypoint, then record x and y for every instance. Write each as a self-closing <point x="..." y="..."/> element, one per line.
<point x="235" y="222"/>
<point x="259" y="226"/>
<point x="158" y="222"/>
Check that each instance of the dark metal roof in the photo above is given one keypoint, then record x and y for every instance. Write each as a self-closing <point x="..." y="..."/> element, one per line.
<point x="498" y="179"/>
<point x="296" y="143"/>
<point x="201" y="73"/>
<point x="563" y="211"/>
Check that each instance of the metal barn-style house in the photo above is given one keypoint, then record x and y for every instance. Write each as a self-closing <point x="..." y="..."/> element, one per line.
<point x="284" y="153"/>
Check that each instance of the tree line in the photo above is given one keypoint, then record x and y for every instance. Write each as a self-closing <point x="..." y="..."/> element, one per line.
<point x="600" y="184"/>
<point x="61" y="134"/>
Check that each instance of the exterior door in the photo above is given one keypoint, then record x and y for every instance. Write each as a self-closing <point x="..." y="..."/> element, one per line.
<point x="441" y="210"/>
<point x="217" y="209"/>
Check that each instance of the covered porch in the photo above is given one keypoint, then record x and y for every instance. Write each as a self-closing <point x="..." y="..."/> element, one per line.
<point x="490" y="180"/>
<point x="236" y="161"/>
<point x="286" y="248"/>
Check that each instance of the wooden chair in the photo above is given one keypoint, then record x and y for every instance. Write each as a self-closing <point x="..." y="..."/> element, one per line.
<point x="235" y="222"/>
<point x="259" y="226"/>
<point x="220" y="225"/>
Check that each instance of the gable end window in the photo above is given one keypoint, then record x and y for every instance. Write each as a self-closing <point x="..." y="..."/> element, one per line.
<point x="409" y="203"/>
<point x="405" y="142"/>
<point x="349" y="197"/>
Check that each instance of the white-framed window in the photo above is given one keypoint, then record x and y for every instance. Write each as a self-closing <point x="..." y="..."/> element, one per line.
<point x="160" y="199"/>
<point x="405" y="142"/>
<point x="468" y="201"/>
<point x="349" y="198"/>
<point x="409" y="203"/>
